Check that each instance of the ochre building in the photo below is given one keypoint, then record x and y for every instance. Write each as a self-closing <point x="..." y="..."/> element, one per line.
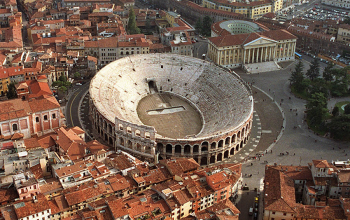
<point x="249" y="9"/>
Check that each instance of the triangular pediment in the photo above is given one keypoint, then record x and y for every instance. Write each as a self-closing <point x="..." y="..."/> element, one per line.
<point x="260" y="41"/>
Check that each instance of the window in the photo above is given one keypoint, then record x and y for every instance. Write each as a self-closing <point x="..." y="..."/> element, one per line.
<point x="14" y="127"/>
<point x="273" y="213"/>
<point x="54" y="116"/>
<point x="37" y="119"/>
<point x="45" y="117"/>
<point x="284" y="214"/>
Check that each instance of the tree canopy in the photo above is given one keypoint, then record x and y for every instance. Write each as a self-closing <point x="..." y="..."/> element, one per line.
<point x="206" y="26"/>
<point x="297" y="77"/>
<point x="314" y="71"/>
<point x="11" y="91"/>
<point x="132" y="27"/>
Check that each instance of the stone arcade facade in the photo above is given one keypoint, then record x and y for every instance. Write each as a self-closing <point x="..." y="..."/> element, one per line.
<point x="140" y="140"/>
<point x="222" y="99"/>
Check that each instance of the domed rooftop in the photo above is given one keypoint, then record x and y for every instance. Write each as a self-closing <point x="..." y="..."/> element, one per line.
<point x="181" y="97"/>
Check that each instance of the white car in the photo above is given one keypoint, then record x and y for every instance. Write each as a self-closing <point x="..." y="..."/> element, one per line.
<point x="78" y="84"/>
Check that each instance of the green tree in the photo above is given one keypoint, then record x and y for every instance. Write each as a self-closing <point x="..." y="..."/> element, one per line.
<point x="148" y="26"/>
<point x="347" y="20"/>
<point x="328" y="72"/>
<point x="314" y="70"/>
<point x="132" y="27"/>
<point x="319" y="86"/>
<point x="62" y="84"/>
<point x="317" y="109"/>
<point x="347" y="109"/>
<point x="199" y="25"/>
<point x="206" y="27"/>
<point x="11" y="91"/>
<point x="335" y="111"/>
<point x="297" y="77"/>
<point x="77" y="75"/>
<point x="316" y="100"/>
<point x="339" y="127"/>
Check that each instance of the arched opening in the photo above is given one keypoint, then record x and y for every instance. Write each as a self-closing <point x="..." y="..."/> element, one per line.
<point x="204" y="149"/>
<point x="243" y="132"/>
<point x="178" y="149"/>
<point x="137" y="133"/>
<point x="213" y="145"/>
<point x="110" y="140"/>
<point x="106" y="137"/>
<point x="187" y="149"/>
<point x="232" y="151"/>
<point x="212" y="159"/>
<point x="196" y="159"/>
<point x="204" y="161"/>
<point x="169" y="148"/>
<point x="129" y="144"/>
<point x="205" y="144"/>
<point x="219" y="157"/>
<point x="221" y="143"/>
<point x="245" y="140"/>
<point x="121" y="141"/>
<point x="241" y="144"/>
<point x="148" y="150"/>
<point x="227" y="141"/>
<point x="226" y="154"/>
<point x="247" y="128"/>
<point x="233" y="139"/>
<point x="160" y="147"/>
<point x="138" y="147"/>
<point x="195" y="148"/>
<point x="239" y="135"/>
<point x="104" y="125"/>
<point x="109" y="128"/>
<point x="237" y="147"/>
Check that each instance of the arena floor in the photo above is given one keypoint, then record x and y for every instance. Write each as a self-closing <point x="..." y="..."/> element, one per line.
<point x="170" y="115"/>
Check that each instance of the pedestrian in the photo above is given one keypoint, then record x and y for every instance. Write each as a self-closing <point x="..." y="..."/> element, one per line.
<point x="271" y="151"/>
<point x="294" y="154"/>
<point x="266" y="150"/>
<point x="251" y="164"/>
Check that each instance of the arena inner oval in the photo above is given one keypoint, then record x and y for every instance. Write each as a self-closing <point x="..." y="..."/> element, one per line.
<point x="158" y="106"/>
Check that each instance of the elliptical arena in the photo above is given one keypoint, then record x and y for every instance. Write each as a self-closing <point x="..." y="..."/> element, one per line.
<point x="158" y="106"/>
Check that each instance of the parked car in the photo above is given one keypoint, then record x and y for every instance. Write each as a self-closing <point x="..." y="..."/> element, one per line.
<point x="78" y="84"/>
<point x="251" y="211"/>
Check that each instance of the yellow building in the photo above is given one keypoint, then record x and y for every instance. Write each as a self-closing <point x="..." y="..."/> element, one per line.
<point x="4" y="81"/>
<point x="252" y="9"/>
<point x="239" y="50"/>
<point x="172" y="17"/>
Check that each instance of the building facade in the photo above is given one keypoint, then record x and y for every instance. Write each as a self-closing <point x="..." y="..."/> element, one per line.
<point x="233" y="51"/>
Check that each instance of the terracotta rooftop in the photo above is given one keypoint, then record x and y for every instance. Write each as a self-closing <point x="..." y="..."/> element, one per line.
<point x="26" y="209"/>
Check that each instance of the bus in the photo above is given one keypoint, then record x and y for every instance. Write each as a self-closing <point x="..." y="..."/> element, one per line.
<point x="297" y="56"/>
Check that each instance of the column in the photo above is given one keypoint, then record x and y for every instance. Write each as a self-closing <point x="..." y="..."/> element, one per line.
<point x="270" y="53"/>
<point x="225" y="57"/>
<point x="238" y="54"/>
<point x="191" y="150"/>
<point x="261" y="55"/>
<point x="164" y="150"/>
<point x="249" y="55"/>
<point x="234" y="56"/>
<point x="257" y="55"/>
<point x="265" y="54"/>
<point x="218" y="58"/>
<point x="243" y="56"/>
<point x="253" y="55"/>
<point x="173" y="151"/>
<point x="229" y="56"/>
<point x="182" y="150"/>
<point x="274" y="52"/>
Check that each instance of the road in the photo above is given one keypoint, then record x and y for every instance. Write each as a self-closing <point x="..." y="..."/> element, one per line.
<point x="200" y="48"/>
<point x="72" y="106"/>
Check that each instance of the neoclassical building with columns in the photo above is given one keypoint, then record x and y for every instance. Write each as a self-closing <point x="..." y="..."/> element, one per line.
<point x="238" y="50"/>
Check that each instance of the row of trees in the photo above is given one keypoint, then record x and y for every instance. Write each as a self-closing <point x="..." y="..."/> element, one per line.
<point x="317" y="89"/>
<point x="204" y="27"/>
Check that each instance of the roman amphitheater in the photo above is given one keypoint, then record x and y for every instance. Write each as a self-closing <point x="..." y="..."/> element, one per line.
<point x="158" y="106"/>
